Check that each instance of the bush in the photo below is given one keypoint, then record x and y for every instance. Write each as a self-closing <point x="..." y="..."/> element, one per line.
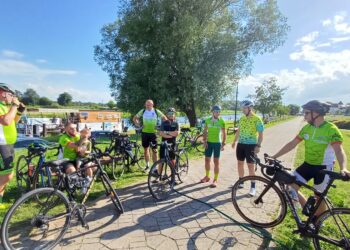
<point x="342" y="124"/>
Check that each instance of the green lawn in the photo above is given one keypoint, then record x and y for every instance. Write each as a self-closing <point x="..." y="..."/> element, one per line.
<point x="339" y="197"/>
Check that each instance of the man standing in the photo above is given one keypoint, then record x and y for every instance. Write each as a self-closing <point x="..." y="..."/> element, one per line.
<point x="148" y="119"/>
<point x="10" y="113"/>
<point x="169" y="130"/>
<point x="249" y="136"/>
<point x="214" y="137"/>
<point x="322" y="140"/>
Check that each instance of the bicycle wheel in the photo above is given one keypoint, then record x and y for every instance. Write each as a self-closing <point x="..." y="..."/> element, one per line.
<point x="30" y="224"/>
<point x="119" y="166"/>
<point x="22" y="177"/>
<point x="161" y="179"/>
<point x="43" y="177"/>
<point x="199" y="144"/>
<point x="111" y="193"/>
<point x="182" y="165"/>
<point x="138" y="158"/>
<point x="335" y="226"/>
<point x="266" y="209"/>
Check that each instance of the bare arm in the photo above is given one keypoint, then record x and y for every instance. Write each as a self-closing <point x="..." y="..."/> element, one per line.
<point x="223" y="134"/>
<point x="260" y="138"/>
<point x="341" y="156"/>
<point x="8" y="118"/>
<point x="288" y="147"/>
<point x="136" y="120"/>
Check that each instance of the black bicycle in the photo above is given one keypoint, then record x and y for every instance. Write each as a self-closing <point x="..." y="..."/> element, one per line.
<point x="192" y="138"/>
<point x="31" y="170"/>
<point x="161" y="177"/>
<point x="40" y="218"/>
<point x="268" y="207"/>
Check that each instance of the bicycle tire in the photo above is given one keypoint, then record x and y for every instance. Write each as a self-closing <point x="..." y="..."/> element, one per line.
<point x="327" y="227"/>
<point x="119" y="166"/>
<point x="246" y="207"/>
<point x="111" y="193"/>
<point x="161" y="185"/>
<point x="41" y="178"/>
<point x="199" y="144"/>
<point x="182" y="165"/>
<point x="22" y="177"/>
<point x="138" y="157"/>
<point x="36" y="222"/>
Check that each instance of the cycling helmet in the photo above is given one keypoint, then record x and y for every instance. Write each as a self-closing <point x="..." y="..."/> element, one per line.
<point x="171" y="110"/>
<point x="216" y="108"/>
<point x="6" y="88"/>
<point x="317" y="106"/>
<point x="246" y="104"/>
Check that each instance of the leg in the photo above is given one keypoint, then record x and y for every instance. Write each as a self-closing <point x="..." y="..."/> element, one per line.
<point x="153" y="141"/>
<point x="7" y="154"/>
<point x="208" y="153"/>
<point x="240" y="154"/>
<point x="147" y="156"/>
<point x="240" y="165"/>
<point x="69" y="168"/>
<point x="217" y="151"/>
<point x="4" y="179"/>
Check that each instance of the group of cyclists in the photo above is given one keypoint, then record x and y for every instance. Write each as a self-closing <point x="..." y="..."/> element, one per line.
<point x="323" y="141"/>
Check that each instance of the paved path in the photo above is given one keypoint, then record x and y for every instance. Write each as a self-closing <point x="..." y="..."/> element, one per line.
<point x="179" y="222"/>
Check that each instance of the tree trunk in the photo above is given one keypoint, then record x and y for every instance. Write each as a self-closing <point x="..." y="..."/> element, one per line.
<point x="192" y="117"/>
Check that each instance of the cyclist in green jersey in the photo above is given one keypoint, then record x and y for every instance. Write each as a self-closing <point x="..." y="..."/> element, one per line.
<point x="323" y="140"/>
<point x="10" y="113"/>
<point x="214" y="137"/>
<point x="148" y="119"/>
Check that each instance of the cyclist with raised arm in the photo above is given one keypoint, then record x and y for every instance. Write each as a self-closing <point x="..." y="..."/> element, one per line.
<point x="323" y="140"/>
<point x="10" y="113"/>
<point x="148" y="119"/>
<point x="249" y="137"/>
<point x="214" y="137"/>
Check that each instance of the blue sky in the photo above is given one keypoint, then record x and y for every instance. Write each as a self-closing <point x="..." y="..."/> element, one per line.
<point x="48" y="46"/>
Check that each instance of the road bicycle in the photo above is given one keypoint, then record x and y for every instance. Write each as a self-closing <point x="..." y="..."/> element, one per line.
<point x="192" y="138"/>
<point x="162" y="175"/>
<point x="268" y="208"/>
<point x="31" y="171"/>
<point x="40" y="218"/>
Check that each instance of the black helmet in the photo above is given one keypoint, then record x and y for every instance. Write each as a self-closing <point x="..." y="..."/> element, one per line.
<point x="216" y="108"/>
<point x="6" y="88"/>
<point x="171" y="110"/>
<point x="316" y="106"/>
<point x="246" y="104"/>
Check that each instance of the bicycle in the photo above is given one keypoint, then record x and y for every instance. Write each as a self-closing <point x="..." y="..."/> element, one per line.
<point x="40" y="218"/>
<point x="161" y="177"/>
<point x="28" y="172"/>
<point x="192" y="137"/>
<point x="268" y="207"/>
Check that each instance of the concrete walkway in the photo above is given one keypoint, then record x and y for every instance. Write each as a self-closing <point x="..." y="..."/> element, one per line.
<point x="179" y="222"/>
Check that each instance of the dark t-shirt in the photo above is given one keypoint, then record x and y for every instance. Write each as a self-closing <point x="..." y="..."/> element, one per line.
<point x="169" y="126"/>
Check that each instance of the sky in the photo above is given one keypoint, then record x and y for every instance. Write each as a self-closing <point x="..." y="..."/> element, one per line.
<point x="48" y="46"/>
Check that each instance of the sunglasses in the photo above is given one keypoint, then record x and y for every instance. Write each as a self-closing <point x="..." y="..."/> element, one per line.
<point x="171" y="113"/>
<point x="307" y="112"/>
<point x="10" y="94"/>
<point x="216" y="111"/>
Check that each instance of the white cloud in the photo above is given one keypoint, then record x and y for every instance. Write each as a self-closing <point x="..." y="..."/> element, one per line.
<point x="339" y="39"/>
<point x="22" y="68"/>
<point x="11" y="54"/>
<point x="338" y="22"/>
<point x="308" y="38"/>
<point x="41" y="61"/>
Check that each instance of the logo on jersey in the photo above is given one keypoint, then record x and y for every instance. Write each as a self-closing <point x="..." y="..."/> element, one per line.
<point x="306" y="136"/>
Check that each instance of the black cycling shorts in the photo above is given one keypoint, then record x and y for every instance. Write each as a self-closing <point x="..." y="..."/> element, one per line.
<point x="7" y="153"/>
<point x="149" y="139"/>
<point x="245" y="152"/>
<point x="306" y="172"/>
<point x="162" y="152"/>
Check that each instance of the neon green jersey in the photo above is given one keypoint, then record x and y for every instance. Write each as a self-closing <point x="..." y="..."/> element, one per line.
<point x="8" y="134"/>
<point x="318" y="143"/>
<point x="149" y="119"/>
<point x="214" y="129"/>
<point x="69" y="153"/>
<point x="249" y="128"/>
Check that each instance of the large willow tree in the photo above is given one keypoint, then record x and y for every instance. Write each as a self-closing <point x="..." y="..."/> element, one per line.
<point x="182" y="53"/>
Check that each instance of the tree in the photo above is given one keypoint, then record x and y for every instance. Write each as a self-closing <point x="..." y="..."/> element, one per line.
<point x="180" y="53"/>
<point x="282" y="110"/>
<point x="268" y="96"/>
<point x="44" y="101"/>
<point x="111" y="104"/>
<point x="64" y="99"/>
<point x="30" y="97"/>
<point x="293" y="109"/>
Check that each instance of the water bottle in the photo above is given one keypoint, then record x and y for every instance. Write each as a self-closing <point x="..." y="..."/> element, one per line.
<point x="30" y="169"/>
<point x="294" y="195"/>
<point x="309" y="206"/>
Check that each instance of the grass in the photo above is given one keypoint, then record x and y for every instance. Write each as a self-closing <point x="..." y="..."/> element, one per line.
<point x="339" y="197"/>
<point x="128" y="179"/>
